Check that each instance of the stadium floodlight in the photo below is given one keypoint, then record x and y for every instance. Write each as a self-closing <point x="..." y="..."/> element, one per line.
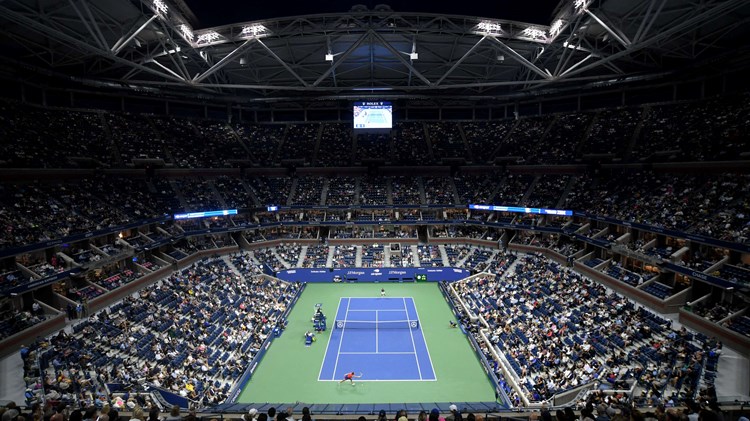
<point x="555" y="29"/>
<point x="208" y="37"/>
<point x="489" y="27"/>
<point x="166" y="52"/>
<point x="413" y="56"/>
<point x="186" y="32"/>
<point x="580" y="5"/>
<point x="253" y="30"/>
<point x="330" y="56"/>
<point x="534" y="33"/>
<point x="160" y="7"/>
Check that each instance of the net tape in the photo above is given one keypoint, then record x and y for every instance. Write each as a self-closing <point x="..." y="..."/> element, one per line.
<point x="381" y="324"/>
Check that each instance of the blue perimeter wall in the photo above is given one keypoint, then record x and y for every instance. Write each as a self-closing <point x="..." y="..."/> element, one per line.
<point x="489" y="367"/>
<point x="373" y="274"/>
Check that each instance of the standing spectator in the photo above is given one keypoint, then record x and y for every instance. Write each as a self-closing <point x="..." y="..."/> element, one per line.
<point x="138" y="414"/>
<point x="570" y="414"/>
<point x="716" y="410"/>
<point x="58" y="414"/>
<point x="104" y="413"/>
<point x="587" y="413"/>
<point x="174" y="414"/>
<point x="90" y="414"/>
<point x="455" y="414"/>
<point x="693" y="411"/>
<point x="545" y="415"/>
<point x="153" y="413"/>
<point x="601" y="413"/>
<point x="435" y="415"/>
<point x="77" y="416"/>
<point x="11" y="411"/>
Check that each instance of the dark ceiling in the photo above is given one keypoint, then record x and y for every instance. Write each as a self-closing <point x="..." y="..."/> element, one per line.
<point x="212" y="13"/>
<point x="454" y="51"/>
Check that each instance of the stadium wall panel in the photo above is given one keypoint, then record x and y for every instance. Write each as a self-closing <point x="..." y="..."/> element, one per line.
<point x="728" y="337"/>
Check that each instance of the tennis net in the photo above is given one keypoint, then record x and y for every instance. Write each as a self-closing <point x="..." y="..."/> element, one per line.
<point x="380" y="324"/>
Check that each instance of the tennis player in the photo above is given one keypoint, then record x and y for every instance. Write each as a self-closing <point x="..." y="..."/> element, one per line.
<point x="350" y="376"/>
<point x="382" y="292"/>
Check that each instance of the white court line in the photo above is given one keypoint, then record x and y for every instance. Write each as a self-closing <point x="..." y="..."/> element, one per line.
<point x="384" y="380"/>
<point x="434" y="373"/>
<point x="328" y="345"/>
<point x="373" y="310"/>
<point x="376" y="331"/>
<point x="341" y="340"/>
<point x="413" y="345"/>
<point x="376" y="353"/>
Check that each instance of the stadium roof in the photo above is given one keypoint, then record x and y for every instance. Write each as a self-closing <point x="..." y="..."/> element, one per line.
<point x="221" y="12"/>
<point x="153" y="45"/>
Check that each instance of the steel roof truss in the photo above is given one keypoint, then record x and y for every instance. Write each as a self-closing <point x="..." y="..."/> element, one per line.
<point x="337" y="62"/>
<point x="521" y="59"/>
<point x="400" y="58"/>
<point x="125" y="39"/>
<point x="225" y="60"/>
<point x="616" y="34"/>
<point x="649" y="19"/>
<point x="283" y="63"/>
<point x="698" y="19"/>
<point x="96" y="33"/>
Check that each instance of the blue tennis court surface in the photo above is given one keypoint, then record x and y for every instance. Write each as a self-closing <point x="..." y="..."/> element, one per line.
<point x="379" y="118"/>
<point x="374" y="117"/>
<point x="379" y="337"/>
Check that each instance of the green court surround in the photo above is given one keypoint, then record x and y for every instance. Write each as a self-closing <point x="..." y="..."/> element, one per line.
<point x="289" y="371"/>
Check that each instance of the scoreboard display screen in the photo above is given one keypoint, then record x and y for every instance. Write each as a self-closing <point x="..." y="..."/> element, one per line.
<point x="373" y="115"/>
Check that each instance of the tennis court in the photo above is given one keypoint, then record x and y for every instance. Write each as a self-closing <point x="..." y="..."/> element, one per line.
<point x="376" y="116"/>
<point x="290" y="371"/>
<point x="379" y="118"/>
<point x="381" y="338"/>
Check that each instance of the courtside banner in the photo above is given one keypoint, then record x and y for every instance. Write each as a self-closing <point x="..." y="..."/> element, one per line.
<point x="372" y="274"/>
